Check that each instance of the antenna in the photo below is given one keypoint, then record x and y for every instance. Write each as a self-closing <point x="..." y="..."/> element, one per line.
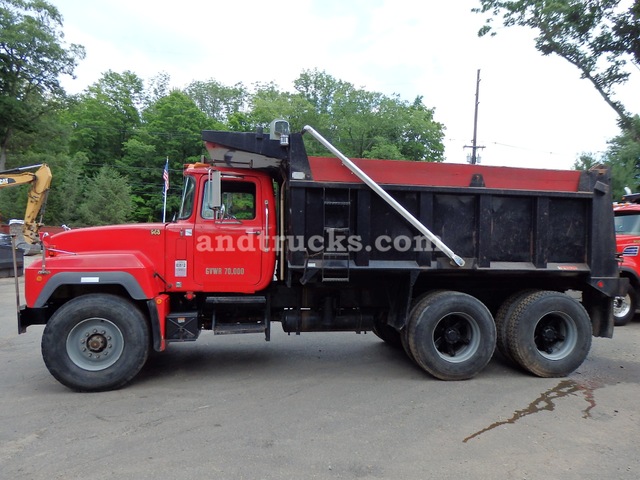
<point x="475" y="158"/>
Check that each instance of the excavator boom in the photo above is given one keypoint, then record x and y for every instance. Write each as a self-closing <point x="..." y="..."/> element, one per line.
<point x="40" y="182"/>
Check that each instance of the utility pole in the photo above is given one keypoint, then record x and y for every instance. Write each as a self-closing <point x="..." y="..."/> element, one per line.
<point x="474" y="143"/>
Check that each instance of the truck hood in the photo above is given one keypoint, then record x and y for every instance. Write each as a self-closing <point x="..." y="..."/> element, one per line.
<point x="144" y="241"/>
<point x="624" y="240"/>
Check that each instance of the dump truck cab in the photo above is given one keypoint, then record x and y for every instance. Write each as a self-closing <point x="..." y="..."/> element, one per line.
<point x="222" y="239"/>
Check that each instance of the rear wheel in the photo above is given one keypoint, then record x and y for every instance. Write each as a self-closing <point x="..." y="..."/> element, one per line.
<point x="451" y="335"/>
<point x="624" y="307"/>
<point x="549" y="334"/>
<point x="386" y="332"/>
<point x="502" y="316"/>
<point x="96" y="342"/>
<point x="404" y="341"/>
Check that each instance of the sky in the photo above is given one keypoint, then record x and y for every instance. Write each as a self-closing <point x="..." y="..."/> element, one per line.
<point x="533" y="111"/>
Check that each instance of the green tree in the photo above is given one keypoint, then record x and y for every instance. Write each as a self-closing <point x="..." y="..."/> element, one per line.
<point x="218" y="101"/>
<point x="33" y="56"/>
<point x="586" y="161"/>
<point x="623" y="156"/>
<point x="67" y="190"/>
<point x="269" y="103"/>
<point x="145" y="182"/>
<point x="156" y="88"/>
<point x="107" y="199"/>
<point x="105" y="116"/>
<point x="320" y="88"/>
<point x="599" y="37"/>
<point x="361" y="123"/>
<point x="171" y="128"/>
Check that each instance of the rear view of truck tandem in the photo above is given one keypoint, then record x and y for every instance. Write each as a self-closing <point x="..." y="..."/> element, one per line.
<point x="445" y="261"/>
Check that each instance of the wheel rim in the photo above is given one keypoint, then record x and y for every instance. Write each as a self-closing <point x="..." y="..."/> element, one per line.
<point x="621" y="306"/>
<point x="95" y="344"/>
<point x="555" y="335"/>
<point x="456" y="337"/>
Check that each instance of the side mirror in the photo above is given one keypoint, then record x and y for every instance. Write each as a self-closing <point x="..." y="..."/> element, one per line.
<point x="215" y="190"/>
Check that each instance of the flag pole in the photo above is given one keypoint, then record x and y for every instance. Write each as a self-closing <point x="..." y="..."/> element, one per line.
<point x="165" y="177"/>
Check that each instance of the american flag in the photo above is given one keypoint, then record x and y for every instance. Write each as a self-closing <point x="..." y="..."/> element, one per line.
<point x="165" y="175"/>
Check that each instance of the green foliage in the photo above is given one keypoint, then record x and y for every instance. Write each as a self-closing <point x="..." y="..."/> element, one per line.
<point x="217" y="101"/>
<point x="67" y="190"/>
<point x="623" y="157"/>
<point x="32" y="57"/>
<point x="106" y="199"/>
<point x="586" y="162"/>
<point x="171" y="128"/>
<point x="104" y="117"/>
<point x="359" y="122"/>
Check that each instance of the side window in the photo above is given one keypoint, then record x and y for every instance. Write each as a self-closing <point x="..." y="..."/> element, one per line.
<point x="238" y="202"/>
<point x="186" y="208"/>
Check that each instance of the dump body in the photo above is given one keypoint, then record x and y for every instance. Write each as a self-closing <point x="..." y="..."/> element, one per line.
<point x="444" y="261"/>
<point x="503" y="221"/>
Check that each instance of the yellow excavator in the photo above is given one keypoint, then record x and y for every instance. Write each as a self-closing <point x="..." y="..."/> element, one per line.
<point x="40" y="181"/>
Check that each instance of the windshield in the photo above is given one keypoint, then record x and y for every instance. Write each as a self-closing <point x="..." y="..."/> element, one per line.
<point x="186" y="208"/>
<point x="628" y="224"/>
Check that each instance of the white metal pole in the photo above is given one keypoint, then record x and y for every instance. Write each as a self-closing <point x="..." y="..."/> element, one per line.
<point x="387" y="198"/>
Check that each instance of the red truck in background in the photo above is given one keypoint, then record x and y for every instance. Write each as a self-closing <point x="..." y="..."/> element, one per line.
<point x="444" y="261"/>
<point x="627" y="222"/>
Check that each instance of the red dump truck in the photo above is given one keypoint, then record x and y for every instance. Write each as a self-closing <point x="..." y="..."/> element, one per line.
<point x="627" y="223"/>
<point x="445" y="261"/>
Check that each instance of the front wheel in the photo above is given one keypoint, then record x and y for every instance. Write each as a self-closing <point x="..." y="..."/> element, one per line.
<point x="96" y="342"/>
<point x="624" y="307"/>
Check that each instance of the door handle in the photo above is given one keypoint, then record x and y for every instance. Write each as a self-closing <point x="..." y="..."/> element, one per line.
<point x="252" y="232"/>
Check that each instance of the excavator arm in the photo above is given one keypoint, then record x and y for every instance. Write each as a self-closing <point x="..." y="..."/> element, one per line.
<point x="40" y="181"/>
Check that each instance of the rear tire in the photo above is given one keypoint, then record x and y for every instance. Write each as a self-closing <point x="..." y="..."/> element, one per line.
<point x="96" y="342"/>
<point x="549" y="334"/>
<point x="502" y="317"/>
<point x="404" y="341"/>
<point x="451" y="335"/>
<point x="386" y="332"/>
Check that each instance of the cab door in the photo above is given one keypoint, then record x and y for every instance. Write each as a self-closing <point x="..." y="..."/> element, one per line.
<point x="179" y="242"/>
<point x="228" y="253"/>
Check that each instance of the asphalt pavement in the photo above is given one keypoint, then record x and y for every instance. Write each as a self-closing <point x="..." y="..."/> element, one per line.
<point x="317" y="406"/>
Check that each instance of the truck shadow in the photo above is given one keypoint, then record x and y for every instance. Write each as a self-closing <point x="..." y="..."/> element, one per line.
<point x="226" y="360"/>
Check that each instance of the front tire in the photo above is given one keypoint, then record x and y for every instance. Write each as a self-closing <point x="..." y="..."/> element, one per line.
<point x="451" y="335"/>
<point x="624" y="307"/>
<point x="96" y="342"/>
